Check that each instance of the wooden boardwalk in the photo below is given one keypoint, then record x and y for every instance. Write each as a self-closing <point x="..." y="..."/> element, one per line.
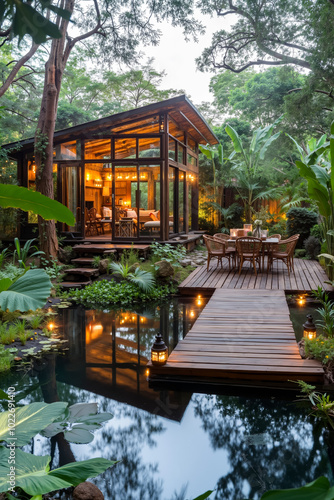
<point x="241" y="334"/>
<point x="308" y="276"/>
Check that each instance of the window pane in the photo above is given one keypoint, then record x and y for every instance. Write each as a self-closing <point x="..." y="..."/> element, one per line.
<point x="192" y="144"/>
<point x="175" y="131"/>
<point x="172" y="149"/>
<point x="181" y="201"/>
<point x="97" y="149"/>
<point x="149" y="147"/>
<point x="67" y="151"/>
<point x="180" y="153"/>
<point x="149" y="208"/>
<point x="171" y="180"/>
<point x="125" y="148"/>
<point x="191" y="160"/>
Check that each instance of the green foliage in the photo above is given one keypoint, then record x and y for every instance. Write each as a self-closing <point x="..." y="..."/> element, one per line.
<point x="11" y="271"/>
<point x="321" y="349"/>
<point x="170" y="253"/>
<point x="6" y="358"/>
<point x="320" y="489"/>
<point x="29" y="291"/>
<point x="8" y="333"/>
<point x="22" y="254"/>
<point x="96" y="261"/>
<point x="313" y="247"/>
<point x="316" y="232"/>
<point x="78" y="423"/>
<point x="322" y="406"/>
<point x="143" y="279"/>
<point x="4" y="253"/>
<point x="129" y="257"/>
<point x="300" y="221"/>
<point x="53" y="269"/>
<point x="26" y="19"/>
<point x="25" y="199"/>
<point x="106" y="293"/>
<point x="36" y="321"/>
<point x="32" y="472"/>
<point x="326" y="312"/>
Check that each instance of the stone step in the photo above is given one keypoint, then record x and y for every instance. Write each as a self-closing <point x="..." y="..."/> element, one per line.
<point x="88" y="272"/>
<point x="74" y="284"/>
<point x="88" y="261"/>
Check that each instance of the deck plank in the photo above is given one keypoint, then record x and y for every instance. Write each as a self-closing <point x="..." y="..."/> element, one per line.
<point x="242" y="334"/>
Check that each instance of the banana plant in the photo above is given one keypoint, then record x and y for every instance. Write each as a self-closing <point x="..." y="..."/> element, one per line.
<point x="246" y="165"/>
<point x="316" y="165"/>
<point x="216" y="156"/>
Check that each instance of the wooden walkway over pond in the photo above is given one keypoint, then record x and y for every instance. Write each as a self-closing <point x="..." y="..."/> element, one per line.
<point x="308" y="276"/>
<point x="240" y="334"/>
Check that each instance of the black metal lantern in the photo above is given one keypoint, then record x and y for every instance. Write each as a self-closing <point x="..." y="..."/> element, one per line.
<point x="159" y="351"/>
<point x="310" y="331"/>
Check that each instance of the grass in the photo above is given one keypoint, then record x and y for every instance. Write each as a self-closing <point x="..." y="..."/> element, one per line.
<point x="6" y="358"/>
<point x="24" y="336"/>
<point x="21" y="326"/>
<point x="8" y="333"/>
<point x="36" y="321"/>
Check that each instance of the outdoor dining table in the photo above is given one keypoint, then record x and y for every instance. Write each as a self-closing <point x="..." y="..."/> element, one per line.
<point x="267" y="248"/>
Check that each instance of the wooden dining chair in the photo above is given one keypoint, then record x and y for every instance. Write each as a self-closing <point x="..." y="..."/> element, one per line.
<point x="216" y="250"/>
<point x="96" y="224"/>
<point x="249" y="249"/>
<point x="284" y="251"/>
<point x="229" y="249"/>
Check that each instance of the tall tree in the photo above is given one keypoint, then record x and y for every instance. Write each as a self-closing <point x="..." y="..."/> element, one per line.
<point x="274" y="33"/>
<point x="116" y="27"/>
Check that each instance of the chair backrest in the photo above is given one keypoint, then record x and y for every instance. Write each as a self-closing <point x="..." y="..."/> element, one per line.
<point x="278" y="236"/>
<point x="289" y="244"/>
<point x="221" y="236"/>
<point x="92" y="214"/>
<point x="249" y="245"/>
<point x="213" y="245"/>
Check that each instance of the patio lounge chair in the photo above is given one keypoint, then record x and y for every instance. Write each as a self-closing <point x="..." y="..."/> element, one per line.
<point x="249" y="248"/>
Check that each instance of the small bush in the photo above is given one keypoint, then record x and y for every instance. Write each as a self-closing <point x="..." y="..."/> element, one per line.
<point x="106" y="293"/>
<point x="316" y="232"/>
<point x="300" y="221"/>
<point x="170" y="253"/>
<point x="321" y="348"/>
<point x="6" y="358"/>
<point x="300" y="253"/>
<point x="312" y="246"/>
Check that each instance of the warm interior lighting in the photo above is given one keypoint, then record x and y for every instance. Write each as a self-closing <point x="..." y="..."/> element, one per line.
<point x="159" y="351"/>
<point x="147" y="372"/>
<point x="310" y="331"/>
<point x="87" y="177"/>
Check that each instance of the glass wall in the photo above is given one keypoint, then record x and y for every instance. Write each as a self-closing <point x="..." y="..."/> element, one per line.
<point x="172" y="198"/>
<point x="182" y="200"/>
<point x="149" y="201"/>
<point x="71" y="194"/>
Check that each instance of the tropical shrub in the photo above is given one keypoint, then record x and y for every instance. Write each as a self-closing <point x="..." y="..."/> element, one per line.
<point x="107" y="293"/>
<point x="170" y="253"/>
<point x="6" y="358"/>
<point x="313" y="247"/>
<point x="300" y="221"/>
<point x="22" y="254"/>
<point x="143" y="279"/>
<point x="316" y="232"/>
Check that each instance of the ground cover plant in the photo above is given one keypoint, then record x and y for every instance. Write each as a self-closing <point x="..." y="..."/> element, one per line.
<point x="105" y="293"/>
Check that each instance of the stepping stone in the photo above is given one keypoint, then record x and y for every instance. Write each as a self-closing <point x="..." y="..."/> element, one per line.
<point x="88" y="261"/>
<point x="88" y="272"/>
<point x="75" y="284"/>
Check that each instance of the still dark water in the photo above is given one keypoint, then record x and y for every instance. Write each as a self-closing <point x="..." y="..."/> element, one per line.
<point x="171" y="445"/>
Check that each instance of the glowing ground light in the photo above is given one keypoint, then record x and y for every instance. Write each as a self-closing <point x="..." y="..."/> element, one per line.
<point x="51" y="327"/>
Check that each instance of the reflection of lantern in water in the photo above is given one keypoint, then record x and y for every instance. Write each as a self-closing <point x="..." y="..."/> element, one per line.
<point x="301" y="300"/>
<point x="159" y="351"/>
<point x="310" y="331"/>
<point x="192" y="314"/>
<point x="199" y="300"/>
<point x="51" y="327"/>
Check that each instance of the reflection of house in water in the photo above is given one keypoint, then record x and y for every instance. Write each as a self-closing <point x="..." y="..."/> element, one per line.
<point x="109" y="351"/>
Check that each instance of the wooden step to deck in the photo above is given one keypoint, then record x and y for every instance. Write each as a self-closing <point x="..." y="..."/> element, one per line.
<point x="241" y="335"/>
<point x="84" y="261"/>
<point x="96" y="249"/>
<point x="87" y="272"/>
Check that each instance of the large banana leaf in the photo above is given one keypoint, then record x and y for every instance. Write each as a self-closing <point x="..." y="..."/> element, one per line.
<point x="29" y="421"/>
<point x="237" y="144"/>
<point x="25" y="199"/>
<point x="30" y="291"/>
<point x="33" y="476"/>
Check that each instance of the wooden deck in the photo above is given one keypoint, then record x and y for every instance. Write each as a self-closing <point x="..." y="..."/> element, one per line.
<point x="241" y="334"/>
<point x="308" y="276"/>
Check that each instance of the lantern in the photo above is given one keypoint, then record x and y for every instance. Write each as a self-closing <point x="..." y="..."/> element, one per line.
<point x="159" y="351"/>
<point x="248" y="227"/>
<point x="310" y="331"/>
<point x="233" y="233"/>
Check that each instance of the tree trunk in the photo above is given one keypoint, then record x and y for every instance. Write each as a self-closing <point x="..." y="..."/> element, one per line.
<point x="54" y="69"/>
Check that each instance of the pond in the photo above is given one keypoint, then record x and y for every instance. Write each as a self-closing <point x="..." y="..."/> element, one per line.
<point x="172" y="445"/>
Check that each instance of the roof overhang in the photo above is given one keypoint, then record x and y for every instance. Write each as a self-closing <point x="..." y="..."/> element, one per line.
<point x="180" y="108"/>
